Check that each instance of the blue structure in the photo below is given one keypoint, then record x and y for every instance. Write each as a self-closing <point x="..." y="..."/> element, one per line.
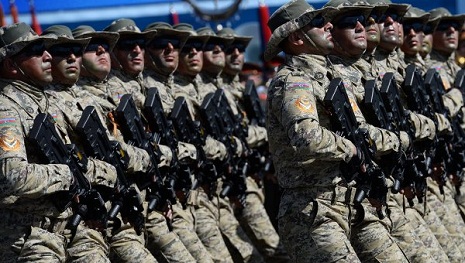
<point x="99" y="14"/>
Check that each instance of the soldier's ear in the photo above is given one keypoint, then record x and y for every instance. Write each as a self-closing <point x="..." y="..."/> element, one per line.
<point x="9" y="66"/>
<point x="295" y="38"/>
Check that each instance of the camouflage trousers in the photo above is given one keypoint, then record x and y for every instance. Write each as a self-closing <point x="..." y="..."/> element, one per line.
<point x="163" y="243"/>
<point x="206" y="216"/>
<point x="411" y="233"/>
<point x="184" y="227"/>
<point x="446" y="209"/>
<point x="313" y="228"/>
<point x="256" y="223"/>
<point x="88" y="246"/>
<point x="127" y="246"/>
<point x="28" y="238"/>
<point x="239" y="244"/>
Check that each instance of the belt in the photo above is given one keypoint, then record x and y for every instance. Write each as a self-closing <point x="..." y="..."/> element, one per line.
<point x="334" y="194"/>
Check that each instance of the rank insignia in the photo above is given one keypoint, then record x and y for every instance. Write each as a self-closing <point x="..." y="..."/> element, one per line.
<point x="303" y="104"/>
<point x="9" y="142"/>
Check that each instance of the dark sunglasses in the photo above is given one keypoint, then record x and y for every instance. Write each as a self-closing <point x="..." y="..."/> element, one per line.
<point x="239" y="47"/>
<point x="318" y="21"/>
<point x="394" y="16"/>
<point x="428" y="29"/>
<point x="211" y="46"/>
<point x="161" y="43"/>
<point x="130" y="44"/>
<point x="33" y="50"/>
<point x="446" y="24"/>
<point x="198" y="45"/>
<point x="417" y="27"/>
<point x="93" y="47"/>
<point x="66" y="50"/>
<point x="351" y="21"/>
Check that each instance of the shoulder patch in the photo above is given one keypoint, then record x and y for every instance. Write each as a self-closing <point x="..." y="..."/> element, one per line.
<point x="304" y="105"/>
<point x="299" y="85"/>
<point x="9" y="142"/>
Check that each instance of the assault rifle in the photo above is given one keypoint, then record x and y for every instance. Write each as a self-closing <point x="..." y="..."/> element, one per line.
<point x="376" y="114"/>
<point x="222" y="125"/>
<point x="52" y="150"/>
<point x="260" y="159"/>
<point x="459" y="81"/>
<point x="191" y="131"/>
<point x="401" y="119"/>
<point x="453" y="157"/>
<point x="132" y="128"/>
<point x="126" y="199"/>
<point x="370" y="183"/>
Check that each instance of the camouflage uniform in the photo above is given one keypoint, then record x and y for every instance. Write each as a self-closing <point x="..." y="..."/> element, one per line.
<point x="191" y="242"/>
<point x="253" y="217"/>
<point x="43" y="219"/>
<point x="125" y="244"/>
<point x="206" y="215"/>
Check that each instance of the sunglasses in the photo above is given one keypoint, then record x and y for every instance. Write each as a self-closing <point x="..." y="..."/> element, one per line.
<point x="351" y="21"/>
<point x="211" y="46"/>
<point x="130" y="44"/>
<point x="34" y="50"/>
<point x="394" y="16"/>
<point x="161" y="43"/>
<point x="417" y="27"/>
<point x="446" y="24"/>
<point x="239" y="47"/>
<point x="318" y="21"/>
<point x="65" y="50"/>
<point x="198" y="45"/>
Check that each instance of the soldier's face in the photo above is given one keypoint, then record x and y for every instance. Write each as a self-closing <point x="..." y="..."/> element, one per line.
<point x="321" y="36"/>
<point x="390" y="31"/>
<point x="349" y="35"/>
<point x="36" y="63"/>
<point x="164" y="55"/>
<point x="66" y="63"/>
<point x="129" y="53"/>
<point x="426" y="45"/>
<point x="190" y="61"/>
<point x="446" y="35"/>
<point x="234" y="59"/>
<point x="372" y="30"/>
<point x="413" y="35"/>
<point x="213" y="58"/>
<point x="96" y="59"/>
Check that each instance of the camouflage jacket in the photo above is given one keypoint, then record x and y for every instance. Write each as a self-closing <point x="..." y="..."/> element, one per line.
<point x="164" y="85"/>
<point x="26" y="186"/>
<point x="306" y="153"/>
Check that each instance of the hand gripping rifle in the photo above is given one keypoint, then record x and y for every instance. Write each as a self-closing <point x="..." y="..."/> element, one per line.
<point x="52" y="150"/>
<point x="370" y="183"/>
<point x="191" y="131"/>
<point x="401" y="119"/>
<point x="221" y="124"/>
<point x="126" y="199"/>
<point x="178" y="175"/>
<point x="129" y="120"/>
<point x="260" y="159"/>
<point x="453" y="157"/>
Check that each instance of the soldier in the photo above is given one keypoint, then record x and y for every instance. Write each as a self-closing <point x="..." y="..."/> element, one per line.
<point x="88" y="244"/>
<point x="253" y="216"/>
<point x="413" y="24"/>
<point x="306" y="154"/>
<point x="125" y="244"/>
<point x="33" y="229"/>
<point x="204" y="211"/>
<point x="162" y="56"/>
<point x="240" y="245"/>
